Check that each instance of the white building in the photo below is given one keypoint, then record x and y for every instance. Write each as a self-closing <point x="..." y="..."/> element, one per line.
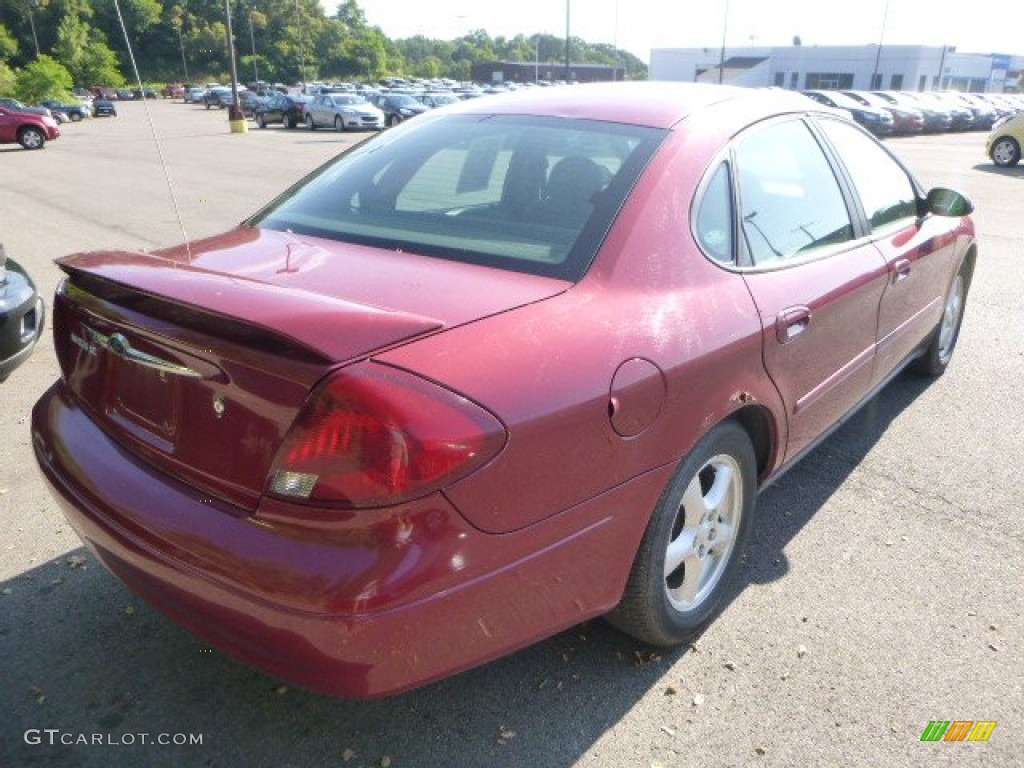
<point x="865" y="67"/>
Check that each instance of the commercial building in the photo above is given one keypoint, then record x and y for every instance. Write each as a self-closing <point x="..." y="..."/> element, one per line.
<point x="867" y="67"/>
<point x="530" y="72"/>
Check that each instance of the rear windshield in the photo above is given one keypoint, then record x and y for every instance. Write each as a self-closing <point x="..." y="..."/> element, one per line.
<point x="531" y="194"/>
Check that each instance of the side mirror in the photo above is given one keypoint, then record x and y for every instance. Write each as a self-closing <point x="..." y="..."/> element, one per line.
<point x="946" y="202"/>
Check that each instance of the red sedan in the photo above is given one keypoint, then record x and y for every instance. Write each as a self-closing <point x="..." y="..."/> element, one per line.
<point x="514" y="364"/>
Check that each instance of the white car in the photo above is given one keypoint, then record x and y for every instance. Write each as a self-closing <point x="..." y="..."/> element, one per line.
<point x="343" y="112"/>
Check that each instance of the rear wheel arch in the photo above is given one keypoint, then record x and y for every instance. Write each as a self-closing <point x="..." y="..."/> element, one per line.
<point x="758" y="423"/>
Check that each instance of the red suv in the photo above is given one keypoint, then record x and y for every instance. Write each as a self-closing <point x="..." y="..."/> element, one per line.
<point x="30" y="130"/>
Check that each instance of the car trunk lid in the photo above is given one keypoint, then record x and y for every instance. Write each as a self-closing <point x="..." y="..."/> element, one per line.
<point x="200" y="368"/>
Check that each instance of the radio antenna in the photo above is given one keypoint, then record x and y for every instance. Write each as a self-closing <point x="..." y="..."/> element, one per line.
<point x="152" y="127"/>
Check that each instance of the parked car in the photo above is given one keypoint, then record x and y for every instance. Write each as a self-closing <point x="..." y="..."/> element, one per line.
<point x="435" y="100"/>
<point x="985" y="115"/>
<point x="145" y="93"/>
<point x="1005" y="140"/>
<point x="104" y="92"/>
<point x="17" y="106"/>
<point x="30" y="129"/>
<point x="936" y="119"/>
<point x="523" y="362"/>
<point x="904" y="119"/>
<point x="174" y="91"/>
<point x="21" y="315"/>
<point x="343" y="112"/>
<point x="397" y="107"/>
<point x="74" y="112"/>
<point x="196" y="95"/>
<point x="249" y="101"/>
<point x="960" y="117"/>
<point x="281" y="108"/>
<point x="878" y="121"/>
<point x="104" y="108"/>
<point x="219" y="97"/>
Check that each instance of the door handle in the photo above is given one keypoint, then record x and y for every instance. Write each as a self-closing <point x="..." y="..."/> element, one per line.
<point x="900" y="270"/>
<point x="792" y="322"/>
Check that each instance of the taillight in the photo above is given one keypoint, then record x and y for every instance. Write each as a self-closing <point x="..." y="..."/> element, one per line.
<point x="372" y="436"/>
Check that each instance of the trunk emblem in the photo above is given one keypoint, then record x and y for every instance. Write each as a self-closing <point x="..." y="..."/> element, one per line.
<point x="219" y="407"/>
<point x="117" y="344"/>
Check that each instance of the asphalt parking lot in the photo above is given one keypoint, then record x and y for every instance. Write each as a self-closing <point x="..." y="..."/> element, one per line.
<point x="883" y="587"/>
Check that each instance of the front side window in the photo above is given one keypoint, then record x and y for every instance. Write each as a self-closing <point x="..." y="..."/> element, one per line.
<point x="531" y="194"/>
<point x="884" y="189"/>
<point x="790" y="201"/>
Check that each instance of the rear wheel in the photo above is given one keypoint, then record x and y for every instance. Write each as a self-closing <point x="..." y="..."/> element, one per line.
<point x="1006" y="152"/>
<point x="31" y="138"/>
<point x="75" y="117"/>
<point x="339" y="124"/>
<point x="287" y="121"/>
<point x="261" y="120"/>
<point x="693" y="542"/>
<point x="943" y="342"/>
<point x="309" y="123"/>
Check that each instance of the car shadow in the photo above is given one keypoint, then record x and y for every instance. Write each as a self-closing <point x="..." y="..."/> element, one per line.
<point x="83" y="655"/>
<point x="1016" y="170"/>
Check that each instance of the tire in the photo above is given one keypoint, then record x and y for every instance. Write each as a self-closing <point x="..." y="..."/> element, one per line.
<point x="936" y="357"/>
<point x="287" y="122"/>
<point x="309" y="123"/>
<point x="31" y="138"/>
<point x="339" y="124"/>
<point x="391" y="121"/>
<point x="75" y="117"/>
<point x="702" y="523"/>
<point x="261" y="121"/>
<point x="1006" y="152"/>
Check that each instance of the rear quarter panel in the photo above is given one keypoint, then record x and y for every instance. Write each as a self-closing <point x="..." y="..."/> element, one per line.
<point x="546" y="370"/>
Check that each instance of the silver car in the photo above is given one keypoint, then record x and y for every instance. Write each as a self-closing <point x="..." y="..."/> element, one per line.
<point x="343" y="112"/>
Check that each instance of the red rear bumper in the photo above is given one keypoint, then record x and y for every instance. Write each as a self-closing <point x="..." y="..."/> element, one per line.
<point x="368" y="606"/>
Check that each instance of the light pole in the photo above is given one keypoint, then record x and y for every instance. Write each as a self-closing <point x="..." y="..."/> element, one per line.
<point x="878" y="53"/>
<point x="181" y="44"/>
<point x="252" y="39"/>
<point x="721" y="56"/>
<point x="536" y="60"/>
<point x="32" y="23"/>
<point x="568" y="65"/>
<point x="302" y="49"/>
<point x="235" y="115"/>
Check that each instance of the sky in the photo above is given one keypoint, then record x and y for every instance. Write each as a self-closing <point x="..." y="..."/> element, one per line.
<point x="980" y="26"/>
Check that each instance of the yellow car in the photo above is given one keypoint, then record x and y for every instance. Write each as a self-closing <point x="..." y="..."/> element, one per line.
<point x="1005" y="141"/>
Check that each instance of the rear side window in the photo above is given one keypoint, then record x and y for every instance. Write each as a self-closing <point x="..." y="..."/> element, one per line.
<point x="790" y="201"/>
<point x="523" y="193"/>
<point x="714" y="217"/>
<point x="884" y="188"/>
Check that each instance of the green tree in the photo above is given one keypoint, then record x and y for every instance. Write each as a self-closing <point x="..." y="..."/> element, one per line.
<point x="8" y="78"/>
<point x="8" y="45"/>
<point x="43" y="78"/>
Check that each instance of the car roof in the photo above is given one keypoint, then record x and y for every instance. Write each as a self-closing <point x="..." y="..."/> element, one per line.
<point x="653" y="104"/>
